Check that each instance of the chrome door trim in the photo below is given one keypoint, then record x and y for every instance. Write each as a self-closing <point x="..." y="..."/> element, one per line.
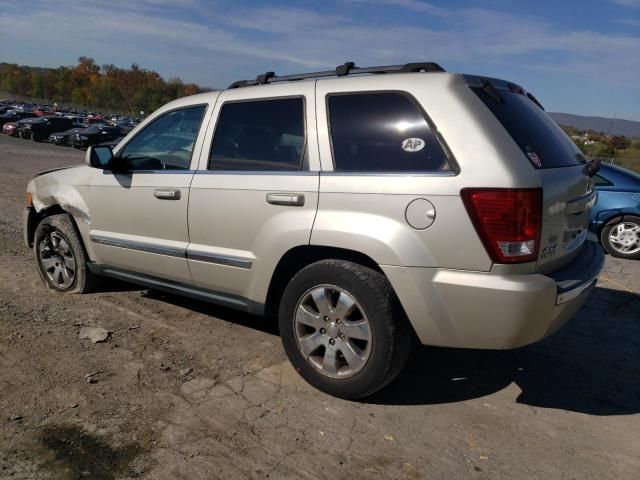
<point x="228" y="260"/>
<point x="139" y="246"/>
<point x="219" y="259"/>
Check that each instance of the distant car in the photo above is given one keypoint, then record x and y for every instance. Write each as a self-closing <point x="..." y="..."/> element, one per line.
<point x="125" y="127"/>
<point x="10" y="128"/>
<point x="63" y="138"/>
<point x="78" y="121"/>
<point x="22" y="124"/>
<point x="40" y="129"/>
<point x="615" y="218"/>
<point x="13" y="116"/>
<point x="95" y="134"/>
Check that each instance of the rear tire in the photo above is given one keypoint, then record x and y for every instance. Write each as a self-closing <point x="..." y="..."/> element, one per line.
<point x="622" y="239"/>
<point x="343" y="328"/>
<point x="60" y="256"/>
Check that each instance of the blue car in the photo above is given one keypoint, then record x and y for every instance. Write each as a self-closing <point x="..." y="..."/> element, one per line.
<point x="615" y="218"/>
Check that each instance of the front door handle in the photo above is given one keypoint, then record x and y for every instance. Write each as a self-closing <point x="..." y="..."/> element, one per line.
<point x="166" y="194"/>
<point x="291" y="199"/>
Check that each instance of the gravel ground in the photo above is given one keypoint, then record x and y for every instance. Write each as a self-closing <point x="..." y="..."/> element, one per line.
<point x="184" y="389"/>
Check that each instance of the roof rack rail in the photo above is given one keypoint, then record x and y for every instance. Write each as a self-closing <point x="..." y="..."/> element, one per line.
<point x="348" y="68"/>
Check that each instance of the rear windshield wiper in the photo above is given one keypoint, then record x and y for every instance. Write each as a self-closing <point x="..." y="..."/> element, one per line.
<point x="593" y="166"/>
<point x="535" y="100"/>
<point x="490" y="90"/>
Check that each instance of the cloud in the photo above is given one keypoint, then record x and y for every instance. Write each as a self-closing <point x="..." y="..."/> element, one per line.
<point x="214" y="44"/>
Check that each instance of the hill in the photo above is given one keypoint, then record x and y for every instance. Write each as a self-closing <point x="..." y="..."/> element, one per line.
<point x="614" y="126"/>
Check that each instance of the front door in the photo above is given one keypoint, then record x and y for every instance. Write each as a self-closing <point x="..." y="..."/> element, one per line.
<point x="139" y="217"/>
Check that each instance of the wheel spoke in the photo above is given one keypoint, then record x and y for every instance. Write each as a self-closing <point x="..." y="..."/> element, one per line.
<point x="63" y="246"/>
<point x="359" y="330"/>
<point x="54" y="240"/>
<point x="321" y="299"/>
<point x="351" y="354"/>
<point x="311" y="343"/>
<point x="345" y="305"/>
<point x="56" y="276"/>
<point x="70" y="263"/>
<point x="306" y="316"/>
<point x="67" y="277"/>
<point x="48" y="263"/>
<point x="329" y="362"/>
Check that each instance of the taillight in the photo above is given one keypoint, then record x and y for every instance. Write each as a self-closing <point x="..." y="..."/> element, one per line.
<point x="507" y="220"/>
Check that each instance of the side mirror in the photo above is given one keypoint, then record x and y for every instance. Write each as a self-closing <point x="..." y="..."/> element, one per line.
<point x="99" y="156"/>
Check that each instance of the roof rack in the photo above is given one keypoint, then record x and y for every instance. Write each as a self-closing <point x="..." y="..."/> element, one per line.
<point x="348" y="68"/>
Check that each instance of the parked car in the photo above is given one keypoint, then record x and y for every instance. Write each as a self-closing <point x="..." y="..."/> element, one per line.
<point x="40" y="129"/>
<point x="95" y="134"/>
<point x="616" y="216"/>
<point x="13" y="116"/>
<point x="336" y="205"/>
<point x="64" y="138"/>
<point x="20" y="130"/>
<point x="9" y="128"/>
<point x="125" y="127"/>
<point x="78" y="122"/>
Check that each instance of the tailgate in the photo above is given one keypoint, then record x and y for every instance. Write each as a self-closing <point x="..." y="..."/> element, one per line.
<point x="568" y="193"/>
<point x="568" y="197"/>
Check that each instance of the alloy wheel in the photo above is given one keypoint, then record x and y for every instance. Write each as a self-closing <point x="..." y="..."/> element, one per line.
<point x="57" y="260"/>
<point x="333" y="331"/>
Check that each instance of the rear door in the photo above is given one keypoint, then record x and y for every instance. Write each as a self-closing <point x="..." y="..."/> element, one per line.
<point x="255" y="194"/>
<point x="568" y="190"/>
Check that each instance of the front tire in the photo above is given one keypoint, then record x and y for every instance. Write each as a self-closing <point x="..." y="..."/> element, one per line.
<point x="343" y="328"/>
<point x="60" y="256"/>
<point x="622" y="239"/>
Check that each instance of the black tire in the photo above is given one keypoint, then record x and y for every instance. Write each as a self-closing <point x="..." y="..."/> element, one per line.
<point x="391" y="336"/>
<point x="612" y="249"/>
<point x="61" y="226"/>
<point x="35" y="137"/>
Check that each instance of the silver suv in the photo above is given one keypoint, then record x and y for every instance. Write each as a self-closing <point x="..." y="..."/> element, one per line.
<point x="364" y="207"/>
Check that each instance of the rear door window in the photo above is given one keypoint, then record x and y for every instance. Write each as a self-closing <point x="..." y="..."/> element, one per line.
<point x="382" y="132"/>
<point x="259" y="135"/>
<point x="539" y="137"/>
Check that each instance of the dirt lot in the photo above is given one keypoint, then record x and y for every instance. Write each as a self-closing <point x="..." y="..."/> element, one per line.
<point x="188" y="390"/>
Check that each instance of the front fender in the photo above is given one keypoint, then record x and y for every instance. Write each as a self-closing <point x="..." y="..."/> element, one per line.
<point x="68" y="190"/>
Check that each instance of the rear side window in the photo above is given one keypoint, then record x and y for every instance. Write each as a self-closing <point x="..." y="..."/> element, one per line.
<point x="544" y="142"/>
<point x="259" y="135"/>
<point x="382" y="132"/>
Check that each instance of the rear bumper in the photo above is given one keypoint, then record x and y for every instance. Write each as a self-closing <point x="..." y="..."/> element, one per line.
<point x="455" y="308"/>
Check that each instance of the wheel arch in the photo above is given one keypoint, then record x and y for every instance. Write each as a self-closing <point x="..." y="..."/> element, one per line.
<point x="35" y="218"/>
<point x="299" y="257"/>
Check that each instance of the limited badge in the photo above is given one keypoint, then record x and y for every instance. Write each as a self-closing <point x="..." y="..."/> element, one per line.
<point x="412" y="144"/>
<point x="535" y="159"/>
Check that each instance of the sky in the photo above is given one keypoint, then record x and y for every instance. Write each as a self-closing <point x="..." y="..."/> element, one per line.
<point x="576" y="56"/>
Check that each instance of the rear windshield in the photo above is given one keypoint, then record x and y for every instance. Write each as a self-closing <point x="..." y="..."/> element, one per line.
<point x="539" y="137"/>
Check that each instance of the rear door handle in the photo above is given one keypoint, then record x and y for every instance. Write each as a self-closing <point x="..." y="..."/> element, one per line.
<point x="291" y="199"/>
<point x="166" y="194"/>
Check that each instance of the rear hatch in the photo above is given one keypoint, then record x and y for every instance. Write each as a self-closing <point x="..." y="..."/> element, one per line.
<point x="567" y="188"/>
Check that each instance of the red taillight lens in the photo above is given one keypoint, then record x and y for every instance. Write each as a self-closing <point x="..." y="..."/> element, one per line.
<point x="507" y="220"/>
